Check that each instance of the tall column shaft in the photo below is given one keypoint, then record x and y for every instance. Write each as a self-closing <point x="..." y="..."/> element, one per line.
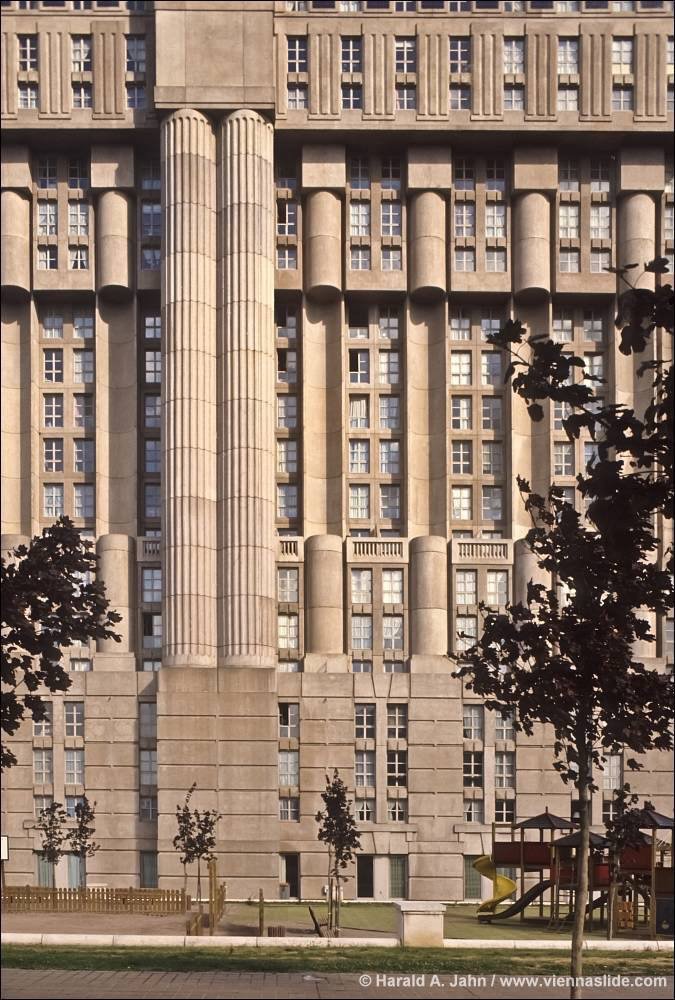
<point x="246" y="438"/>
<point x="189" y="536"/>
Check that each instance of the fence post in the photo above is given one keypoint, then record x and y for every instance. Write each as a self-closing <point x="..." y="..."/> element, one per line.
<point x="261" y="914"/>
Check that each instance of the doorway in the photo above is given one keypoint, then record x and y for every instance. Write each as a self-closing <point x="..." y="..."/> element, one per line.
<point x="290" y="875"/>
<point x="364" y="876"/>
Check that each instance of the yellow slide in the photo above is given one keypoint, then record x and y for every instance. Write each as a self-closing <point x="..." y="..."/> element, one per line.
<point x="504" y="886"/>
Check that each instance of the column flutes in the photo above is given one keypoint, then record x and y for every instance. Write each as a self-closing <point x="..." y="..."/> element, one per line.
<point x="247" y="394"/>
<point x="189" y="538"/>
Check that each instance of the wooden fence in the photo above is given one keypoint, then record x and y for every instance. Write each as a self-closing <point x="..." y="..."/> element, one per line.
<point x="29" y="899"/>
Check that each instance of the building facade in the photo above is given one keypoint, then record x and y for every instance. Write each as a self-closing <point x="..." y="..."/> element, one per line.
<point x="251" y="255"/>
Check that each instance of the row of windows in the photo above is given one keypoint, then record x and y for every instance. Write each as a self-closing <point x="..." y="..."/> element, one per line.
<point x="78" y="218"/>
<point x="82" y="455"/>
<point x="77" y="175"/>
<point x="81" y="48"/>
<point x="477" y="6"/>
<point x="133" y="6"/>
<point x="460" y="56"/>
<point x="73" y="721"/>
<point x="54" y="502"/>
<point x="473" y="724"/>
<point x="28" y="95"/>
<point x="43" y="767"/>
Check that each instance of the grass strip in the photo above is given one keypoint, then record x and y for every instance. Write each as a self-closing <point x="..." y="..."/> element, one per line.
<point x="404" y="960"/>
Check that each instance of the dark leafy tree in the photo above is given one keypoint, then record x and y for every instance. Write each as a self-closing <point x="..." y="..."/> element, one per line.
<point x="565" y="656"/>
<point x="337" y="829"/>
<point x="81" y="836"/>
<point x="51" y="825"/>
<point x="196" y="837"/>
<point x="185" y="837"/>
<point x="47" y="605"/>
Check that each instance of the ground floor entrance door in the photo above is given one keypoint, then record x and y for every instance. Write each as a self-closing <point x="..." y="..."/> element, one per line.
<point x="290" y="875"/>
<point x="364" y="876"/>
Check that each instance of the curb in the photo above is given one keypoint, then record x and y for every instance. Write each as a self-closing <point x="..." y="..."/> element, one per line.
<point x="220" y="941"/>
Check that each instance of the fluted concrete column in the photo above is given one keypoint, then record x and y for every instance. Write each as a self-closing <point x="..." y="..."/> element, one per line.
<point x="116" y="568"/>
<point x="246" y="458"/>
<point x="323" y="594"/>
<point x="427" y="251"/>
<point x="189" y="395"/>
<point x="637" y="236"/>
<point x="16" y="249"/>
<point x="113" y="243"/>
<point x="323" y="245"/>
<point x="531" y="246"/>
<point x="428" y="602"/>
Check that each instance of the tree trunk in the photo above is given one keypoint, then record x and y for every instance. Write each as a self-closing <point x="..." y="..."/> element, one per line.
<point x="337" y="904"/>
<point x="199" y="885"/>
<point x="185" y="879"/>
<point x="329" y="894"/>
<point x="581" y="894"/>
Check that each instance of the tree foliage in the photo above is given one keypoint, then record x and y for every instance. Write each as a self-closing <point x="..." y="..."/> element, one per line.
<point x="566" y="655"/>
<point x="196" y="836"/>
<point x="81" y="836"/>
<point x="51" y="826"/>
<point x="337" y="829"/>
<point x="50" y="600"/>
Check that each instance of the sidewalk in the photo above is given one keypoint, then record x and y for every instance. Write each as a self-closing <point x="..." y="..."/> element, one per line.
<point x="21" y="984"/>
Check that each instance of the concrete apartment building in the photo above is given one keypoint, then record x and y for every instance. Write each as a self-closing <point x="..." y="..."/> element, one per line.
<point x="251" y="252"/>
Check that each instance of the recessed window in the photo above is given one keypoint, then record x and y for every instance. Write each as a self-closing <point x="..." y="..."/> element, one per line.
<point x="82" y="95"/>
<point x="406" y="97"/>
<point x="297" y="97"/>
<point x="514" y="97"/>
<point x="514" y="55"/>
<point x="492" y="503"/>
<point x="287" y="631"/>
<point x="568" y="55"/>
<point x="81" y="53"/>
<point x="460" y="413"/>
<point x="352" y="97"/>
<point x="405" y="55"/>
<point x="622" y="98"/>
<point x="287" y="500"/>
<point x="27" y="96"/>
<point x="28" y="52"/>
<point x="568" y="98"/>
<point x="362" y="632"/>
<point x="136" y="54"/>
<point x="136" y="96"/>
<point x="465" y="586"/>
<point x="465" y="219"/>
<point x="460" y="55"/>
<point x="465" y="260"/>
<point x="462" y="463"/>
<point x="459" y="98"/>
<point x="461" y="506"/>
<point x="297" y="54"/>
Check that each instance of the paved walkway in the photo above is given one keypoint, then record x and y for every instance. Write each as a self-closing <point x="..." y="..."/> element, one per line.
<point x="20" y="984"/>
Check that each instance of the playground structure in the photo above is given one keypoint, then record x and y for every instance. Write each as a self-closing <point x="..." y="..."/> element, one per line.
<point x="629" y="888"/>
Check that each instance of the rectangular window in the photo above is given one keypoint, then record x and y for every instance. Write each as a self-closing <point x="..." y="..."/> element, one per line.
<point x="622" y="56"/>
<point x="47" y="218"/>
<point x="359" y="173"/>
<point x="46" y="172"/>
<point x="495" y="261"/>
<point x="73" y="767"/>
<point x="53" y="501"/>
<point x="351" y="54"/>
<point x="568" y="98"/>
<point x="148" y="767"/>
<point x="406" y="97"/>
<point x="493" y="458"/>
<point x="83" y="500"/>
<point x="460" y="55"/>
<point x="392" y="631"/>
<point x="297" y="98"/>
<point x="495" y="220"/>
<point x="514" y="55"/>
<point x="82" y="96"/>
<point x="514" y="97"/>
<point x="460" y="413"/>
<point x="151" y="582"/>
<point x="505" y="769"/>
<point x="43" y="767"/>
<point x="473" y="722"/>
<point x="359" y="258"/>
<point x="359" y="502"/>
<point x="152" y="631"/>
<point x="390" y="457"/>
<point x="462" y="459"/>
<point x="289" y="721"/>
<point x="297" y="54"/>
<point x="600" y="176"/>
<point x="53" y="455"/>
<point x="359" y="456"/>
<point x="461" y="507"/>
<point x="467" y="632"/>
<point x="389" y="410"/>
<point x="391" y="174"/>
<point x="460" y="325"/>
<point x="287" y="584"/>
<point x="81" y="53"/>
<point x="390" y="502"/>
<point x="465" y="219"/>
<point x="364" y="722"/>
<point x="153" y="367"/>
<point x="391" y="218"/>
<point x="569" y="261"/>
<point x="563" y="458"/>
<point x="472" y="768"/>
<point x="391" y="259"/>
<point x="405" y="55"/>
<point x="495" y="176"/>
<point x="464" y="175"/>
<point x="287" y="500"/>
<point x="289" y="809"/>
<point x="460" y="368"/>
<point x="397" y="812"/>
<point x="83" y="366"/>
<point x="79" y="664"/>
<point x="622" y="98"/>
<point x="388" y="367"/>
<point x="397" y="722"/>
<point x="491" y="413"/>
<point x="78" y="218"/>
<point x="459" y="97"/>
<point x="83" y="455"/>
<point x="362" y="667"/>
<point x="78" y="258"/>
<point x="28" y="96"/>
<point x="397" y="768"/>
<point x="136" y="57"/>
<point x="601" y="222"/>
<point x="287" y="412"/>
<point x="287" y="631"/>
<point x="44" y="727"/>
<point x="287" y="456"/>
<point x="136" y="97"/>
<point x="491" y="368"/>
<point x="568" y="222"/>
<point x="465" y="586"/>
<point x="493" y="503"/>
<point x="497" y="587"/>
<point x="505" y="811"/>
<point x="147" y="807"/>
<point x="473" y="811"/>
<point x="362" y="586"/>
<point x="600" y="261"/>
<point x="359" y="218"/>
<point x="568" y="55"/>
<point x="364" y="769"/>
<point x="392" y="586"/>
<point x="83" y="411"/>
<point x="465" y="260"/>
<point x="568" y="175"/>
<point x="52" y="327"/>
<point x="73" y="722"/>
<point x="28" y="52"/>
<point x="287" y="366"/>
<point x="151" y="219"/>
<point x="362" y="632"/>
<point x="504" y="729"/>
<point x="52" y="365"/>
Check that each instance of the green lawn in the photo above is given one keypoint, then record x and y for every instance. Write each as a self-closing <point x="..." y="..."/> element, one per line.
<point x="330" y="960"/>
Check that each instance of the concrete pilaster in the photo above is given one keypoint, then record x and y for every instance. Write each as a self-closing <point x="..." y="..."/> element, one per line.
<point x="189" y="402"/>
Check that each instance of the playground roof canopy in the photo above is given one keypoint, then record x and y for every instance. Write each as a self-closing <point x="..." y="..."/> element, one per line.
<point x="574" y="840"/>
<point x="546" y="821"/>
<point x="652" y="820"/>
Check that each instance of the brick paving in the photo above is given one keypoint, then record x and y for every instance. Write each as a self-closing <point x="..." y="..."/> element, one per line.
<point x="26" y="984"/>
